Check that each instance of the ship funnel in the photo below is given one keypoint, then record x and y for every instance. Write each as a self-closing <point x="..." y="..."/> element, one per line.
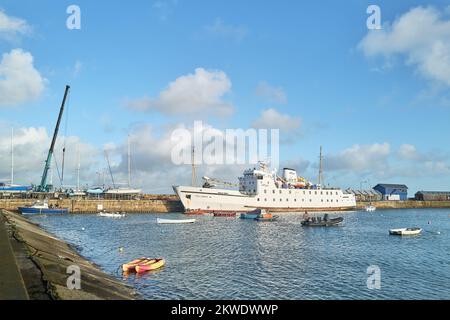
<point x="289" y="175"/>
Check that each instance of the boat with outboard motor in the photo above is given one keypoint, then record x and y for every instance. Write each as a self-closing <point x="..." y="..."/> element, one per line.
<point x="42" y="207"/>
<point x="405" y="231"/>
<point x="321" y="222"/>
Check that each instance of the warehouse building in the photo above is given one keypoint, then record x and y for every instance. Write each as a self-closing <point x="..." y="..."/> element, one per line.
<point x="432" y="196"/>
<point x="365" y="195"/>
<point x="392" y="192"/>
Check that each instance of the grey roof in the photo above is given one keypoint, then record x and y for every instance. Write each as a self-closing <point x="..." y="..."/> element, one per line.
<point x="434" y="192"/>
<point x="392" y="185"/>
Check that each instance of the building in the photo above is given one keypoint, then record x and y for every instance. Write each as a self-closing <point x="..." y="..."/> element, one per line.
<point x="365" y="195"/>
<point x="432" y="196"/>
<point x="392" y="192"/>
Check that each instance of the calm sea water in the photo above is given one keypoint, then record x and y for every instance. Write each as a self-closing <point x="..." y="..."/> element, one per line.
<point x="230" y="258"/>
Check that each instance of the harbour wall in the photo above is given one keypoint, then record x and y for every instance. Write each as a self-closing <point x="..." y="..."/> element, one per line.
<point x="409" y="204"/>
<point x="171" y="203"/>
<point x="92" y="206"/>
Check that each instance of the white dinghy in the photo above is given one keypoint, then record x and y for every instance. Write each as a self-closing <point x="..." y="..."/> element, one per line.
<point x="405" y="231"/>
<point x="111" y="214"/>
<point x="174" y="221"/>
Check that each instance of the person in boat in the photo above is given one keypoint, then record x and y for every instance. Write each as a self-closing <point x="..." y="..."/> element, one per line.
<point x="306" y="216"/>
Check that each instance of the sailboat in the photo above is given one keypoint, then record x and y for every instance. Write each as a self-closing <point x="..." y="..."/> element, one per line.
<point x="10" y="186"/>
<point x="122" y="190"/>
<point x="78" y="192"/>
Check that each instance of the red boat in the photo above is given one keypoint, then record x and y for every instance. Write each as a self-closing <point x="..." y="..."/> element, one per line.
<point x="225" y="214"/>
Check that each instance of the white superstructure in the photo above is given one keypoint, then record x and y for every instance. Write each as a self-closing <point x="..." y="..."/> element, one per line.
<point x="260" y="188"/>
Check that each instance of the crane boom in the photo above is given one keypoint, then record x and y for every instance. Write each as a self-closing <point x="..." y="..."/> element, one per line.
<point x="43" y="186"/>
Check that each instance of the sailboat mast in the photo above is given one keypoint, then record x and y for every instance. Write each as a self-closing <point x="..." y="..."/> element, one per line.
<point x="320" y="168"/>
<point x="194" y="175"/>
<point x="12" y="155"/>
<point x="129" y="162"/>
<point x="110" y="171"/>
<point x="78" y="167"/>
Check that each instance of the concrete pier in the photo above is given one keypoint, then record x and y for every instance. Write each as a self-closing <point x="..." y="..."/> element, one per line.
<point x="36" y="265"/>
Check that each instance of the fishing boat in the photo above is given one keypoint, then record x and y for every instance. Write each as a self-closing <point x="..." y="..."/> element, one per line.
<point x="131" y="266"/>
<point x="111" y="214"/>
<point x="405" y="231"/>
<point x="322" y="222"/>
<point x="174" y="221"/>
<point x="42" y="207"/>
<point x="225" y="214"/>
<point x="253" y="214"/>
<point x="150" y="265"/>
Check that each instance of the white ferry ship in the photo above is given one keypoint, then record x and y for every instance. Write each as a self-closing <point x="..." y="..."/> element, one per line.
<point x="263" y="189"/>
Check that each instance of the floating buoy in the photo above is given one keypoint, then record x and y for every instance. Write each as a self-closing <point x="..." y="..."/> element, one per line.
<point x="82" y="229"/>
<point x="121" y="249"/>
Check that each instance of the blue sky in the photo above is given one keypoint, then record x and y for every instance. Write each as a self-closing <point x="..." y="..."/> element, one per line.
<point x="379" y="110"/>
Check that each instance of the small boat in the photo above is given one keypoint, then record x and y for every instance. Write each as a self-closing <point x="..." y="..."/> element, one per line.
<point x="405" y="231"/>
<point x="225" y="214"/>
<point x="131" y="266"/>
<point x="174" y="221"/>
<point x="370" y="208"/>
<point x="319" y="222"/>
<point x="150" y="265"/>
<point x="266" y="217"/>
<point x="42" y="207"/>
<point x="253" y="214"/>
<point x="111" y="214"/>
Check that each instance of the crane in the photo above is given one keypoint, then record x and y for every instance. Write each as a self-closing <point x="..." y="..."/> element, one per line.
<point x="43" y="186"/>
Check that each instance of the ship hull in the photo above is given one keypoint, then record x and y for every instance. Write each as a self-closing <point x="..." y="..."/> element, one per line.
<point x="285" y="200"/>
<point x="31" y="211"/>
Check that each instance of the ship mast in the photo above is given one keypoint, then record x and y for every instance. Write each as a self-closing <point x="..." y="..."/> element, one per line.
<point x="12" y="156"/>
<point x="320" y="168"/>
<point x="194" y="174"/>
<point x="129" y="163"/>
<point x="78" y="167"/>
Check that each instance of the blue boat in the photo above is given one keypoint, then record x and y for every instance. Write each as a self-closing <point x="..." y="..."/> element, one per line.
<point x="42" y="207"/>
<point x="6" y="187"/>
<point x="252" y="214"/>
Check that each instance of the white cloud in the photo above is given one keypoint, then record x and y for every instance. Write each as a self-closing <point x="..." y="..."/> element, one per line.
<point x="11" y="27"/>
<point x="20" y="82"/>
<point x="273" y="94"/>
<point x="360" y="158"/>
<point x="197" y="94"/>
<point x="408" y="152"/>
<point x="30" y="151"/>
<point x="421" y="36"/>
<point x="220" y="29"/>
<point x="272" y="119"/>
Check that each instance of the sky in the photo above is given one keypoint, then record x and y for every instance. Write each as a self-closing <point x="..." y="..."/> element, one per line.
<point x="378" y="101"/>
